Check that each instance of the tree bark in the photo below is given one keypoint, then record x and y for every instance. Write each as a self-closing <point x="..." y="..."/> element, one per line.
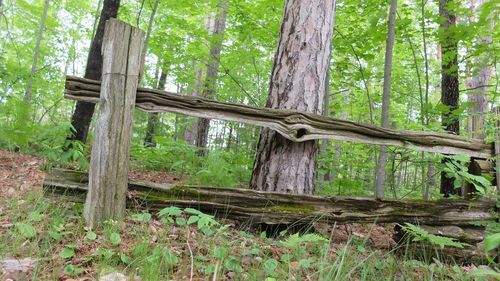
<point x="189" y="134"/>
<point x="80" y="121"/>
<point x="481" y="75"/>
<point x="380" y="175"/>
<point x="219" y="24"/>
<point x="153" y="117"/>
<point x="449" y="81"/>
<point x="297" y="82"/>
<point x="29" y="87"/>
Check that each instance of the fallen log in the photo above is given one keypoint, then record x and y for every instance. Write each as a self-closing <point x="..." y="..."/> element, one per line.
<point x="279" y="208"/>
<point x="294" y="125"/>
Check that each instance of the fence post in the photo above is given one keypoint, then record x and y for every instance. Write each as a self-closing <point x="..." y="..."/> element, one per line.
<point x="108" y="174"/>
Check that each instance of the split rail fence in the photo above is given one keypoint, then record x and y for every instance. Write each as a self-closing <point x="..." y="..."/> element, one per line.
<point x="118" y="93"/>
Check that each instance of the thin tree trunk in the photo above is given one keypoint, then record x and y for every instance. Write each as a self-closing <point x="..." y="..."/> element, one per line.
<point x="449" y="82"/>
<point x="29" y="87"/>
<point x="426" y="61"/>
<point x="189" y="134"/>
<point x="80" y="121"/>
<point x="393" y="175"/>
<point x="380" y="176"/>
<point x="153" y="118"/>
<point x="430" y="179"/>
<point x="297" y="82"/>
<point x="211" y="77"/>
<point x="481" y="76"/>
<point x="325" y="143"/>
<point x="96" y="17"/>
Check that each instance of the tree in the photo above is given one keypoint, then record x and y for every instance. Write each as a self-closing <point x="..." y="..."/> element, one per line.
<point x="478" y="82"/>
<point x="153" y="117"/>
<point x="449" y="80"/>
<point x="380" y="175"/>
<point x="297" y="82"/>
<point x="217" y="24"/>
<point x="27" y="93"/>
<point x="82" y="115"/>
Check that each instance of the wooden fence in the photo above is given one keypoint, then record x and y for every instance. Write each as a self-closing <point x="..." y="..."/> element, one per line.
<point x="117" y="95"/>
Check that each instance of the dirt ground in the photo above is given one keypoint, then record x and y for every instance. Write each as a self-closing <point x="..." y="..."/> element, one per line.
<point x="20" y="173"/>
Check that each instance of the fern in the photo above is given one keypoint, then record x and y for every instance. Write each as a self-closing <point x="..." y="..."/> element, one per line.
<point x="420" y="234"/>
<point x="295" y="240"/>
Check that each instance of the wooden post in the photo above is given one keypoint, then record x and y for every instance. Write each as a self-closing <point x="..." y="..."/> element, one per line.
<point x="108" y="175"/>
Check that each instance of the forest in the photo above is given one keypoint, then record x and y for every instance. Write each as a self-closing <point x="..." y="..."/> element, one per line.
<point x="249" y="140"/>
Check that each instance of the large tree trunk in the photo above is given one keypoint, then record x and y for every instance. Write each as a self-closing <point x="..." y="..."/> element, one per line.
<point x="29" y="87"/>
<point x="219" y="24"/>
<point x="449" y="81"/>
<point x="297" y="82"/>
<point x="380" y="175"/>
<point x="82" y="115"/>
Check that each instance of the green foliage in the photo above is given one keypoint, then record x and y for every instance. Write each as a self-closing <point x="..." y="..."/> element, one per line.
<point x="491" y="242"/>
<point x="456" y="166"/>
<point x="419" y="234"/>
<point x="295" y="240"/>
<point x="26" y="230"/>
<point x="205" y="223"/>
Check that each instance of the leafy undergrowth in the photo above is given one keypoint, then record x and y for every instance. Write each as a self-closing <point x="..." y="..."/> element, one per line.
<point x="184" y="244"/>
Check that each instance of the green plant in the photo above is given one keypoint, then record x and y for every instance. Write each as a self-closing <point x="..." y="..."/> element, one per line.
<point x="205" y="223"/>
<point x="491" y="242"/>
<point x="419" y="234"/>
<point x="456" y="166"/>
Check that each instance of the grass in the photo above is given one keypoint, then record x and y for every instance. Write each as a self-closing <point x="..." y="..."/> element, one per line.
<point x="184" y="244"/>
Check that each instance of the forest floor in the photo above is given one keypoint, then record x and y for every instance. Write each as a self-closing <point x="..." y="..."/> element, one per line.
<point x="44" y="238"/>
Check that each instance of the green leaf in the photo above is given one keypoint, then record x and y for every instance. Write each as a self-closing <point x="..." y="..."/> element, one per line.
<point x="67" y="253"/>
<point x="35" y="216"/>
<point x="306" y="263"/>
<point x="55" y="235"/>
<point x="115" y="238"/>
<point x="180" y="221"/>
<point x="461" y="158"/>
<point x="170" y="211"/>
<point x="193" y="211"/>
<point x="270" y="266"/>
<point x="26" y="230"/>
<point x="124" y="258"/>
<point x="169" y="257"/>
<point x="361" y="249"/>
<point x="490" y="243"/>
<point x="91" y="236"/>
<point x="193" y="219"/>
<point x="483" y="272"/>
<point x="72" y="270"/>
<point x="143" y="217"/>
<point x="221" y="252"/>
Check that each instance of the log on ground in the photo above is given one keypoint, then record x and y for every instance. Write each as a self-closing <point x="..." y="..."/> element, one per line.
<point x="279" y="208"/>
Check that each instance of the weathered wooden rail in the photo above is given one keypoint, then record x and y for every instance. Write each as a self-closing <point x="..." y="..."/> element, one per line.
<point x="282" y="208"/>
<point x="294" y="125"/>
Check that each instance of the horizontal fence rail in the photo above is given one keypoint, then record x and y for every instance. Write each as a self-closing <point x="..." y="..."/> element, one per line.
<point x="284" y="208"/>
<point x="294" y="125"/>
